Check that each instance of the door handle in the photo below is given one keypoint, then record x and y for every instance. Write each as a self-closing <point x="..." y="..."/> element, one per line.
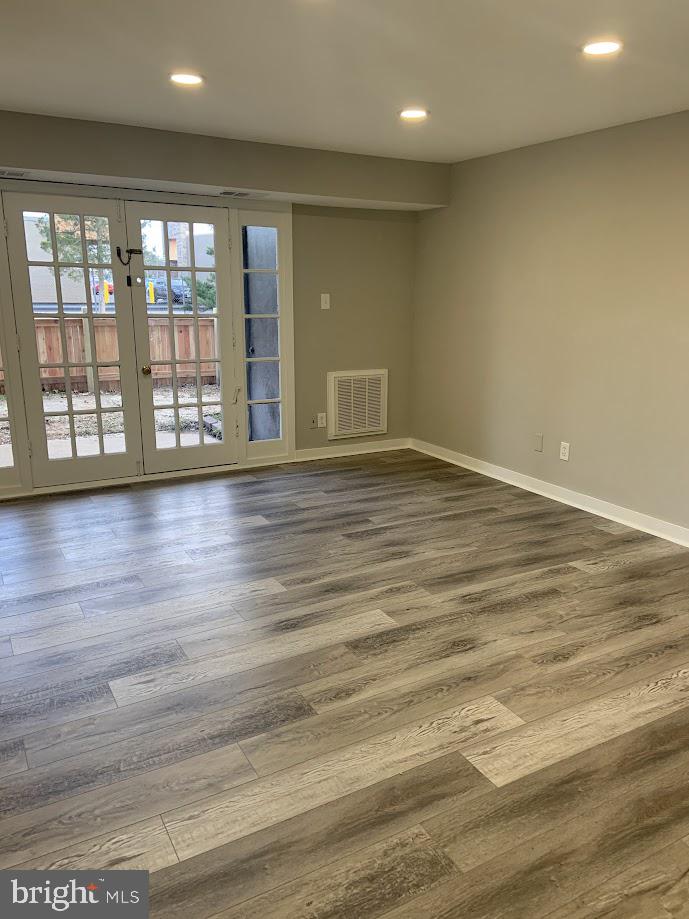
<point x="146" y="370"/>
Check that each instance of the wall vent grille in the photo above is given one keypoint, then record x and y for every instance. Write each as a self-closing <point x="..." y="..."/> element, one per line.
<point x="357" y="403"/>
<point x="238" y="193"/>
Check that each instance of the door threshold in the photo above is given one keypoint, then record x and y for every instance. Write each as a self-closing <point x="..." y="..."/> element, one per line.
<point x="382" y="445"/>
<point x="127" y="481"/>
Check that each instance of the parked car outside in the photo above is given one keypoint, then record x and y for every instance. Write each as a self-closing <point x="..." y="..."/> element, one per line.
<point x="180" y="291"/>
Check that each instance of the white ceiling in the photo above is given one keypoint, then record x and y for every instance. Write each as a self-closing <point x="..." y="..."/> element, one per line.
<point x="496" y="74"/>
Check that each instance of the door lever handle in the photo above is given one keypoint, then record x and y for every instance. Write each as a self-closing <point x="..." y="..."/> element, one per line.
<point x="237" y="391"/>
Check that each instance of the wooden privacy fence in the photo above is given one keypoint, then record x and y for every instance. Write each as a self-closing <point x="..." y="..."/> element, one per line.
<point x="49" y="348"/>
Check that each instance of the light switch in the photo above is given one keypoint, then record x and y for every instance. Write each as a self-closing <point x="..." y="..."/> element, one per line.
<point x="325" y="301"/>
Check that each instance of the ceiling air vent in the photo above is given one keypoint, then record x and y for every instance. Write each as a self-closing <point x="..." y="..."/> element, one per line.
<point x="357" y="403"/>
<point x="238" y="193"/>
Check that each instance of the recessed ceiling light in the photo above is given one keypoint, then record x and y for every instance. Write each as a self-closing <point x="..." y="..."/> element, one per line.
<point x="186" y="79"/>
<point x="414" y="114"/>
<point x="601" y="48"/>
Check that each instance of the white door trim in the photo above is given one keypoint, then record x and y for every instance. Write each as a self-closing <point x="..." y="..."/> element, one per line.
<point x="19" y="475"/>
<point x="77" y="469"/>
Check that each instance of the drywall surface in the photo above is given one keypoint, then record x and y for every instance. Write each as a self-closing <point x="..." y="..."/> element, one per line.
<point x="552" y="297"/>
<point x="73" y="146"/>
<point x="365" y="261"/>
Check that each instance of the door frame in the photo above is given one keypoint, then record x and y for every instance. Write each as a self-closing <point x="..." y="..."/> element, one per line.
<point x="21" y="483"/>
<point x="176" y="459"/>
<point x="267" y="450"/>
<point x="73" y="470"/>
<point x="17" y="477"/>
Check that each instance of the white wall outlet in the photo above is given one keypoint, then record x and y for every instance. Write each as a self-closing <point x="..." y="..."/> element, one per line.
<point x="538" y="443"/>
<point x="325" y="301"/>
<point x="322" y="419"/>
<point x="564" y="450"/>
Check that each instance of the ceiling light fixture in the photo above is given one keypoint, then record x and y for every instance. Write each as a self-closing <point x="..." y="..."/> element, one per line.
<point x="186" y="79"/>
<point x="601" y="48"/>
<point x="414" y="114"/>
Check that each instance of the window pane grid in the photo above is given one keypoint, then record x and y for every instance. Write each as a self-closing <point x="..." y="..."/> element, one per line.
<point x="179" y="258"/>
<point x="95" y="429"/>
<point x="193" y="238"/>
<point x="56" y="256"/>
<point x="181" y="290"/>
<point x="70" y="364"/>
<point x="74" y="302"/>
<point x="261" y="314"/>
<point x="170" y="291"/>
<point x="194" y="425"/>
<point x="81" y="283"/>
<point x="58" y="263"/>
<point x="90" y="328"/>
<point x="63" y="340"/>
<point x="83" y="411"/>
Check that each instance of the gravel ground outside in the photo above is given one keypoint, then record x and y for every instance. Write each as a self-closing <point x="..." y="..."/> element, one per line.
<point x="4" y="428"/>
<point x="58" y="428"/>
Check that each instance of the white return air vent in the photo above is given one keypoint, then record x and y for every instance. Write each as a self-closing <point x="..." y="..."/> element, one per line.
<point x="357" y="403"/>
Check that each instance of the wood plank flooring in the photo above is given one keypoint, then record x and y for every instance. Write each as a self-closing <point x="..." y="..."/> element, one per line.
<point x="377" y="686"/>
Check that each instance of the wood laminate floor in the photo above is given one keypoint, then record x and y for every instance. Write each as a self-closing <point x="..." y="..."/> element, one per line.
<point x="378" y="686"/>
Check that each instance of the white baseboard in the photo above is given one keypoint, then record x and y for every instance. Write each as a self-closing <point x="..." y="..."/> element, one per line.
<point x="364" y="446"/>
<point x="634" y="519"/>
<point x="644" y="522"/>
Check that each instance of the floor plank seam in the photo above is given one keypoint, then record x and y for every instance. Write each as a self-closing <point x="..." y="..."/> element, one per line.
<point x="483" y="552"/>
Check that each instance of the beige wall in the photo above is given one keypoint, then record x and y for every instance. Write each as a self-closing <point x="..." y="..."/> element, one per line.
<point x="553" y="296"/>
<point x="364" y="260"/>
<point x="116" y="151"/>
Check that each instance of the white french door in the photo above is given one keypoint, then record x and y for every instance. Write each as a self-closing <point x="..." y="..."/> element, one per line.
<point x="181" y="293"/>
<point x="125" y="336"/>
<point x="74" y="321"/>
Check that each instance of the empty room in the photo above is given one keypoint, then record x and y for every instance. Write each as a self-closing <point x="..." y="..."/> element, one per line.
<point x="344" y="503"/>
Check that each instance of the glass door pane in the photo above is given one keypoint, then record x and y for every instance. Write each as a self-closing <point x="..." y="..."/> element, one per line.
<point x="183" y="325"/>
<point x="260" y="268"/>
<point x="74" y="317"/>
